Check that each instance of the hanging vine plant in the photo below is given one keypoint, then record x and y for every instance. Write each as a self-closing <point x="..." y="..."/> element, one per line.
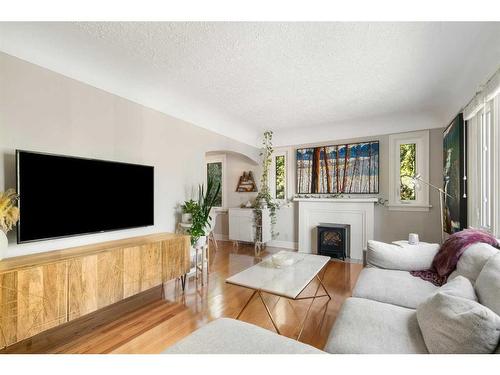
<point x="264" y="198"/>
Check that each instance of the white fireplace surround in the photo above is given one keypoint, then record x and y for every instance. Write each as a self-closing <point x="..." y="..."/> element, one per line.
<point x="358" y="212"/>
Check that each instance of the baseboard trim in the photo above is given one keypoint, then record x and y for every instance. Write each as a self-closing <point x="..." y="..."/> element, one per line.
<point x="275" y="243"/>
<point x="221" y="237"/>
<point x="284" y="244"/>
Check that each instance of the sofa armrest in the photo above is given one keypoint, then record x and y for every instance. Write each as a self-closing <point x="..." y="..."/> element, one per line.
<point x="390" y="256"/>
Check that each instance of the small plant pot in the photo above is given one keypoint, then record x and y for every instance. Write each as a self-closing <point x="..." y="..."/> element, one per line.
<point x="202" y="241"/>
<point x="186" y="218"/>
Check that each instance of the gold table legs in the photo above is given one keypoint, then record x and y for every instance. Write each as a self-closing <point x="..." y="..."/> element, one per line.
<point x="310" y="305"/>
<point x="269" y="313"/>
<point x="246" y="304"/>
<point x="268" y="310"/>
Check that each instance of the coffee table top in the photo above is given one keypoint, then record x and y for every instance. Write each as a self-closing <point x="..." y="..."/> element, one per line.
<point x="287" y="281"/>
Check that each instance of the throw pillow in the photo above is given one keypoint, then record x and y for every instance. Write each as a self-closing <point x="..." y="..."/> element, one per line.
<point x="459" y="287"/>
<point x="488" y="284"/>
<point x="473" y="260"/>
<point x="453" y="325"/>
<point x="393" y="257"/>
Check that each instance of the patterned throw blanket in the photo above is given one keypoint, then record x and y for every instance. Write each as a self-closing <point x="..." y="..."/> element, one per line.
<point x="447" y="257"/>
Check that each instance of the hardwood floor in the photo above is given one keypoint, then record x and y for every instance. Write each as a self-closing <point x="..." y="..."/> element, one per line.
<point x="149" y="324"/>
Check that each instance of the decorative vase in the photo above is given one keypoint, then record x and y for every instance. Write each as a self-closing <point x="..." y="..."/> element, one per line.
<point x="202" y="241"/>
<point x="3" y="244"/>
<point x="413" y="239"/>
<point x="187" y="218"/>
<point x="262" y="203"/>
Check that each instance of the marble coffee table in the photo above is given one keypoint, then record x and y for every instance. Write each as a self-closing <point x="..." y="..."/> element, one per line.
<point x="287" y="281"/>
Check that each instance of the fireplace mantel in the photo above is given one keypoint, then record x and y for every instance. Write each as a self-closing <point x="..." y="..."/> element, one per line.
<point x="337" y="200"/>
<point x="357" y="212"/>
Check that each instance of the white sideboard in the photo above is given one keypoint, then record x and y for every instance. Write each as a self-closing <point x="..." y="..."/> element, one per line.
<point x="242" y="225"/>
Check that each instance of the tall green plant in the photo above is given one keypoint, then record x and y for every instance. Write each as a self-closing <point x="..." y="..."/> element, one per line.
<point x="189" y="206"/>
<point x="264" y="193"/>
<point x="201" y="209"/>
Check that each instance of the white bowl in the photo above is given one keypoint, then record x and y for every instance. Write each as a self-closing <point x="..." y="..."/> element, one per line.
<point x="282" y="260"/>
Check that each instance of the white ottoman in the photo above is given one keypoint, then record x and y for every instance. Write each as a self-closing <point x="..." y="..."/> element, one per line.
<point x="230" y="336"/>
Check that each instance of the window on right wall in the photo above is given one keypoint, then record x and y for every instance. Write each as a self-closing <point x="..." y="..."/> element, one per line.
<point x="483" y="161"/>
<point x="407" y="169"/>
<point x="482" y="118"/>
<point x="408" y="156"/>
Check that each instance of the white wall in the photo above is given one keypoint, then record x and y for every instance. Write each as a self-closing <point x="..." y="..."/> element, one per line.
<point x="236" y="164"/>
<point x="389" y="225"/>
<point x="44" y="111"/>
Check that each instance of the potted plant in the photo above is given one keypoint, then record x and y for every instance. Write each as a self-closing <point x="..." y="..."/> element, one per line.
<point x="9" y="215"/>
<point x="264" y="198"/>
<point x="201" y="212"/>
<point x="188" y="208"/>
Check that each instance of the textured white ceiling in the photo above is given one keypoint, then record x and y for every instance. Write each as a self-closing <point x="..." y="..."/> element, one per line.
<point x="306" y="81"/>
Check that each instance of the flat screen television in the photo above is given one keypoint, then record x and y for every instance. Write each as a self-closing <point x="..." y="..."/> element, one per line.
<point x="63" y="196"/>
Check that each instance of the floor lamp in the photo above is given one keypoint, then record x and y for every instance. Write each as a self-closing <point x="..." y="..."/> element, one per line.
<point x="442" y="194"/>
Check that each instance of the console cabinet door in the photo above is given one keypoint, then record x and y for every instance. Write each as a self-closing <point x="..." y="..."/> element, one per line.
<point x="8" y="308"/>
<point x="151" y="267"/>
<point x="95" y="281"/>
<point x="176" y="257"/>
<point x="131" y="271"/>
<point x="32" y="300"/>
<point x="141" y="268"/>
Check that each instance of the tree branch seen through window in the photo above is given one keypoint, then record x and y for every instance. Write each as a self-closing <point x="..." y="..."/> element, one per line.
<point x="280" y="177"/>
<point x="407" y="169"/>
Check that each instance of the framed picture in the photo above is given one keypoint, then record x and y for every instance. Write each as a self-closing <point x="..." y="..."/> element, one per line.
<point x="351" y="168"/>
<point x="454" y="172"/>
<point x="246" y="183"/>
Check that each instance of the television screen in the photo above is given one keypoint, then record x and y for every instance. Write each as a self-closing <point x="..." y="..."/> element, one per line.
<point x="64" y="196"/>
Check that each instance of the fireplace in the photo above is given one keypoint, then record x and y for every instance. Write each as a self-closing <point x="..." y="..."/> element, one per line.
<point x="334" y="240"/>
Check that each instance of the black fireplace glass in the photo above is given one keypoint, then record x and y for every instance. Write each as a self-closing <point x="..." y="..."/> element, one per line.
<point x="334" y="240"/>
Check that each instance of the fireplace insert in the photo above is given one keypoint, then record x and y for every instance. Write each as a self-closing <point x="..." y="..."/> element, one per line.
<point x="334" y="240"/>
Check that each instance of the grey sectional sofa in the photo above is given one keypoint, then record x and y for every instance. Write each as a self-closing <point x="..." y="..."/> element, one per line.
<point x="379" y="318"/>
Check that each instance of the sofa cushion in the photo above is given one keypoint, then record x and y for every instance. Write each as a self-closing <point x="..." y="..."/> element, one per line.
<point x="455" y="325"/>
<point x="459" y="287"/>
<point x="230" y="336"/>
<point x="365" y="326"/>
<point x="391" y="286"/>
<point x="488" y="284"/>
<point x="473" y="260"/>
<point x="390" y="256"/>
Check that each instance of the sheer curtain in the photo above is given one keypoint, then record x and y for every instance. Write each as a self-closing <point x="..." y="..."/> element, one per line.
<point x="483" y="130"/>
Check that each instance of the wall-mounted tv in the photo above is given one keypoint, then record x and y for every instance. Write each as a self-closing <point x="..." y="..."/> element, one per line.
<point x="63" y="196"/>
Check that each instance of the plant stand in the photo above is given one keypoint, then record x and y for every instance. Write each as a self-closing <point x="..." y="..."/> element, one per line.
<point x="202" y="262"/>
<point x="203" y="255"/>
